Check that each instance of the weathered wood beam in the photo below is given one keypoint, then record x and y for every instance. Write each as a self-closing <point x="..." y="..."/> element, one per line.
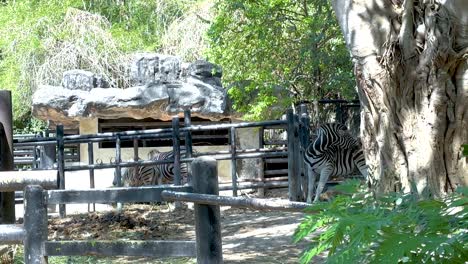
<point x="11" y="181"/>
<point x="122" y="194"/>
<point x="160" y="249"/>
<point x="12" y="234"/>
<point x="254" y="203"/>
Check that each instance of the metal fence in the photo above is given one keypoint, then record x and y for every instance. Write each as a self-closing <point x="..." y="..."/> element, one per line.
<point x="292" y="152"/>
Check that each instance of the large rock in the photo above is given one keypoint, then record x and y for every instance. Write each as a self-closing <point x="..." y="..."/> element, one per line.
<point x="154" y="68"/>
<point x="82" y="80"/>
<point x="165" y="88"/>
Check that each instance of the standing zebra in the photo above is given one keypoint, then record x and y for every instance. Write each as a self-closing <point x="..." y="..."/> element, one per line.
<point x="333" y="153"/>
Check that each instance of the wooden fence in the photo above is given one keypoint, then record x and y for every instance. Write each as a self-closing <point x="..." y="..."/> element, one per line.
<point x="204" y="193"/>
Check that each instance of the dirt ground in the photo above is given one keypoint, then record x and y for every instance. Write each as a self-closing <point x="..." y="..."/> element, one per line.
<point x="248" y="236"/>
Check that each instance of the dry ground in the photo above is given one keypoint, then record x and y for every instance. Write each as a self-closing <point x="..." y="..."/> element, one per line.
<point x="248" y="236"/>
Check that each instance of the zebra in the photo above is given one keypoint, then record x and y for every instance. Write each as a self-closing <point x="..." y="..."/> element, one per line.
<point x="137" y="176"/>
<point x="333" y="153"/>
<point x="153" y="174"/>
<point x="165" y="171"/>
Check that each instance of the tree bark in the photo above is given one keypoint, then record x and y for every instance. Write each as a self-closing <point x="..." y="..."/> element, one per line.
<point x="411" y="68"/>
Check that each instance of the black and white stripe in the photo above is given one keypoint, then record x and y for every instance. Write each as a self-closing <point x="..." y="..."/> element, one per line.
<point x="165" y="172"/>
<point x="137" y="176"/>
<point x="333" y="153"/>
<point x="154" y="174"/>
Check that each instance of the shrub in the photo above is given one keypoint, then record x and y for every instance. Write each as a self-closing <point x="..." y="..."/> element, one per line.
<point x="394" y="228"/>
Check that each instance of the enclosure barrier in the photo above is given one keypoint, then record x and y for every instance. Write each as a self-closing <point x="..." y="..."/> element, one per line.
<point x="175" y="133"/>
<point x="207" y="247"/>
<point x="33" y="234"/>
<point x="253" y="203"/>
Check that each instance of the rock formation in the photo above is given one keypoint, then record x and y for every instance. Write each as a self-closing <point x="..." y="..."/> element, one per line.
<point x="160" y="87"/>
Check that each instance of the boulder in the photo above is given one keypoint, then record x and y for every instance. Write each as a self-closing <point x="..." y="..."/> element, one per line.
<point x="163" y="87"/>
<point x="159" y="101"/>
<point x="154" y="68"/>
<point x="82" y="80"/>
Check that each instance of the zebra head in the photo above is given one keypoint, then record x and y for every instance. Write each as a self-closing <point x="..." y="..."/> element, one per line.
<point x="153" y="154"/>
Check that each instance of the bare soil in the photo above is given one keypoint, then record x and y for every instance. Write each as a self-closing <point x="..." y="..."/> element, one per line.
<point x="248" y="236"/>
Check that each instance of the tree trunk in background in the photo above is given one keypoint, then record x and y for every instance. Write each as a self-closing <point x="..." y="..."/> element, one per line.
<point x="411" y="69"/>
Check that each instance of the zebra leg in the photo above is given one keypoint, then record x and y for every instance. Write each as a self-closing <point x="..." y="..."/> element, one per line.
<point x="360" y="163"/>
<point x="324" y="174"/>
<point x="311" y="178"/>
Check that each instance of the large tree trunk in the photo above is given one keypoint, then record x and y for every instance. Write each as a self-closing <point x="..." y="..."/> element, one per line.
<point x="411" y="67"/>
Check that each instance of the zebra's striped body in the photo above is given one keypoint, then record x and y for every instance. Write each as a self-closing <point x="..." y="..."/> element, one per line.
<point x="137" y="176"/>
<point x="165" y="172"/>
<point x="333" y="153"/>
<point x="154" y="174"/>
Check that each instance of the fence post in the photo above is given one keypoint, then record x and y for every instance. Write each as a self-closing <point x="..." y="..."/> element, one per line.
<point x="304" y="139"/>
<point x="260" y="163"/>
<point x="35" y="224"/>
<point x="61" y="164"/>
<point x="91" y="171"/>
<point x="176" y="149"/>
<point x="7" y="199"/>
<point x="48" y="155"/>
<point x="34" y="164"/>
<point x="207" y="217"/>
<point x="118" y="171"/>
<point x="233" y="161"/>
<point x="298" y="159"/>
<point x="339" y="113"/>
<point x="188" y="138"/>
<point x="293" y="170"/>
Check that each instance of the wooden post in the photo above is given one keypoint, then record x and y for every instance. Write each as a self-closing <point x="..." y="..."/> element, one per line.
<point x="35" y="225"/>
<point x="233" y="162"/>
<point x="61" y="165"/>
<point x="176" y="149"/>
<point x="207" y="217"/>
<point x="7" y="199"/>
<point x="293" y="170"/>
<point x="91" y="171"/>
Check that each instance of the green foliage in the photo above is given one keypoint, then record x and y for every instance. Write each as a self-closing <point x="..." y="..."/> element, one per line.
<point x="187" y="38"/>
<point x="465" y="150"/>
<point x="276" y="52"/>
<point x="395" y="228"/>
<point x="41" y="39"/>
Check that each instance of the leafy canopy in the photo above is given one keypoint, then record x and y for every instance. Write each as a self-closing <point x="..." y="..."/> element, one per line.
<point x="36" y="36"/>
<point x="277" y="52"/>
<point x="395" y="228"/>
